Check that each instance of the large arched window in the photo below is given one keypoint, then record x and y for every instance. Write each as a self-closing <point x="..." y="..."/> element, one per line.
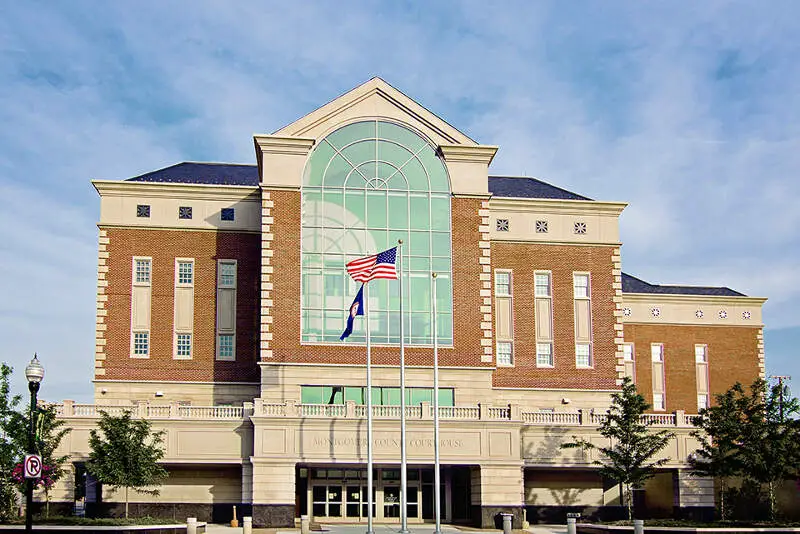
<point x="365" y="186"/>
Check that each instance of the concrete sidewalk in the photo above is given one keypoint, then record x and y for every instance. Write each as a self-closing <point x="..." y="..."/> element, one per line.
<point x="382" y="529"/>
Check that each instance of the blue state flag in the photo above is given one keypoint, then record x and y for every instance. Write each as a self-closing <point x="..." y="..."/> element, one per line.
<point x="356" y="308"/>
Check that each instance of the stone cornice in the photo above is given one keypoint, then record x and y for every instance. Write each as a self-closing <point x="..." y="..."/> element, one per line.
<point x="569" y="207"/>
<point x="292" y="146"/>
<point x="469" y="153"/>
<point x="173" y="190"/>
<point x="659" y="298"/>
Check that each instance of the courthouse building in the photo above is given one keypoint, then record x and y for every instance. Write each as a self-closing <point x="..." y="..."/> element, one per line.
<point x="222" y="293"/>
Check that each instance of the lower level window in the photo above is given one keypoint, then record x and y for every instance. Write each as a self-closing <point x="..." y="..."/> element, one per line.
<point x="702" y="401"/>
<point x="225" y="347"/>
<point x="183" y="347"/>
<point x="544" y="355"/>
<point x="583" y="355"/>
<point x="381" y="396"/>
<point x="658" y="402"/>
<point x="504" y="353"/>
<point x="141" y="343"/>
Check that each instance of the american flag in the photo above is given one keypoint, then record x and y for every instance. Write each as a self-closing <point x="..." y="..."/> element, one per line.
<point x="381" y="265"/>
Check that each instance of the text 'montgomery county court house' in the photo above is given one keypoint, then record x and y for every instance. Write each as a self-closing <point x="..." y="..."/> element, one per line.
<point x="222" y="293"/>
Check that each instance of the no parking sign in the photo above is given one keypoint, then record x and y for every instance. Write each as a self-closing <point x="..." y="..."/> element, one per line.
<point x="33" y="466"/>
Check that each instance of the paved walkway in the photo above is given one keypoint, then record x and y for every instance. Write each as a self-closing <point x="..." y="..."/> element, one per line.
<point x="383" y="529"/>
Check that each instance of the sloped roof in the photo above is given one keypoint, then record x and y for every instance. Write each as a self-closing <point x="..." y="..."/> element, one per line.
<point x="523" y="187"/>
<point x="631" y="284"/>
<point x="189" y="172"/>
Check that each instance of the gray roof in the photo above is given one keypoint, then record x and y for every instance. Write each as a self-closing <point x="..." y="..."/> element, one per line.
<point x="234" y="174"/>
<point x="631" y="284"/>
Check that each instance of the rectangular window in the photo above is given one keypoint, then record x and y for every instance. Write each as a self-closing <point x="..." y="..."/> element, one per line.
<point x="225" y="347"/>
<point x="141" y="344"/>
<point x="542" y="284"/>
<point x="141" y="294"/>
<point x="183" y="346"/>
<point x="504" y="353"/>
<point x="628" y="360"/>
<point x="583" y="355"/>
<point x="701" y="373"/>
<point x="502" y="284"/>
<point x="226" y="310"/>
<point x="580" y="284"/>
<point x="185" y="273"/>
<point x="142" y="270"/>
<point x="544" y="355"/>
<point x="659" y="379"/>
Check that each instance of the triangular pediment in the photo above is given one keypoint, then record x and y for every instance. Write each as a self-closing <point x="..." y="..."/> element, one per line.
<point x="374" y="99"/>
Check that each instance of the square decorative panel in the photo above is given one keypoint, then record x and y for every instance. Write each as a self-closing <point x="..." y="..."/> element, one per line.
<point x="580" y="228"/>
<point x="185" y="212"/>
<point x="143" y="210"/>
<point x="227" y="214"/>
<point x="541" y="227"/>
<point x="501" y="225"/>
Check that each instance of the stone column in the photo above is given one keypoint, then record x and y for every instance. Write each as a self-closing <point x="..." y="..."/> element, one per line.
<point x="273" y="493"/>
<point x="497" y="489"/>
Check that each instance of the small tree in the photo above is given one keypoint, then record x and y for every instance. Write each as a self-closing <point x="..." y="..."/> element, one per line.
<point x="629" y="458"/>
<point x="49" y="433"/>
<point x="719" y="433"/>
<point x="125" y="454"/>
<point x="9" y="451"/>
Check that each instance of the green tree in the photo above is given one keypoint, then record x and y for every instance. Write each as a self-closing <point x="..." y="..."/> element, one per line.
<point x="718" y="430"/>
<point x="49" y="433"/>
<point x="633" y="446"/>
<point x="125" y="454"/>
<point x="9" y="451"/>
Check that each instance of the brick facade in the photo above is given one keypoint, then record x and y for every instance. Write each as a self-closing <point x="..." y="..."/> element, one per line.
<point x="732" y="357"/>
<point x="562" y="260"/>
<point x="164" y="246"/>
<point x="285" y="345"/>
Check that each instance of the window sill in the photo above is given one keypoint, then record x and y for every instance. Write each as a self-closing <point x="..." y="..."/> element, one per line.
<point x="140" y="356"/>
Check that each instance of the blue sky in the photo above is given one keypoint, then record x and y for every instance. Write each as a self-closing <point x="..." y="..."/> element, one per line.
<point x="688" y="110"/>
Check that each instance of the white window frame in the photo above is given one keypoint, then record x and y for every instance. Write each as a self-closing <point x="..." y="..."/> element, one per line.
<point x="510" y="283"/>
<point x="549" y="275"/>
<point x="178" y="262"/>
<point x="510" y="363"/>
<point x="134" y="281"/>
<point x="235" y="264"/>
<point x="134" y="333"/>
<point x="589" y="355"/>
<point x="704" y="353"/>
<point x="232" y="357"/>
<point x="575" y="276"/>
<point x="701" y="405"/>
<point x="550" y="360"/>
<point x="177" y="354"/>
<point x="658" y="357"/>
<point x="659" y="406"/>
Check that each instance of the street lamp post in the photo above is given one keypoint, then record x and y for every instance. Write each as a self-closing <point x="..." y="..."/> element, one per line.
<point x="34" y="372"/>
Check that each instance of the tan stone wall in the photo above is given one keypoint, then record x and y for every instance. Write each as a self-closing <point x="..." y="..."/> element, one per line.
<point x="164" y="246"/>
<point x="562" y="260"/>
<point x="123" y="392"/>
<point x="732" y="356"/>
<point x="191" y="484"/>
<point x="564" y="488"/>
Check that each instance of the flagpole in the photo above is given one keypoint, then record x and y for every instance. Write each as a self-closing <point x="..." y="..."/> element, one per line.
<point x="370" y="482"/>
<point x="436" y="467"/>
<point x="403" y="479"/>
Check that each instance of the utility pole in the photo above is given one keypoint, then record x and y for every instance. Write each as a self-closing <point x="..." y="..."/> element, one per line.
<point x="780" y="379"/>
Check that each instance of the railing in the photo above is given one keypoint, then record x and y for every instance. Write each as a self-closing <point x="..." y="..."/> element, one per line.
<point x="350" y="410"/>
<point x="551" y="418"/>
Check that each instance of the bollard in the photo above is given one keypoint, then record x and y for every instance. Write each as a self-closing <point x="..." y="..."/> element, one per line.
<point x="305" y="525"/>
<point x="571" y="529"/>
<point x="638" y="526"/>
<point x="191" y="525"/>
<point x="247" y="525"/>
<point x="507" y="523"/>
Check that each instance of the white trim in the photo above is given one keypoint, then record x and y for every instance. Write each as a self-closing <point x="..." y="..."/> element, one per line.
<point x="149" y="286"/>
<point x="511" y="354"/>
<point x="588" y="276"/>
<point x="179" y="261"/>
<point x="590" y="356"/>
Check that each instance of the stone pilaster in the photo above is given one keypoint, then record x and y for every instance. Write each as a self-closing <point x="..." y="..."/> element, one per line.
<point x="102" y="301"/>
<point x="619" y="335"/>
<point x="485" y="260"/>
<point x="762" y="369"/>
<point x="267" y="299"/>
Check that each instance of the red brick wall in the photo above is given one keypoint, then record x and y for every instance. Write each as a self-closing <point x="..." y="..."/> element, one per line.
<point x="523" y="259"/>
<point x="286" y="284"/>
<point x="164" y="246"/>
<point x="732" y="357"/>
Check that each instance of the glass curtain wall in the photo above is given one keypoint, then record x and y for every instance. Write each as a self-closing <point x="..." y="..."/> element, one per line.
<point x="365" y="186"/>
